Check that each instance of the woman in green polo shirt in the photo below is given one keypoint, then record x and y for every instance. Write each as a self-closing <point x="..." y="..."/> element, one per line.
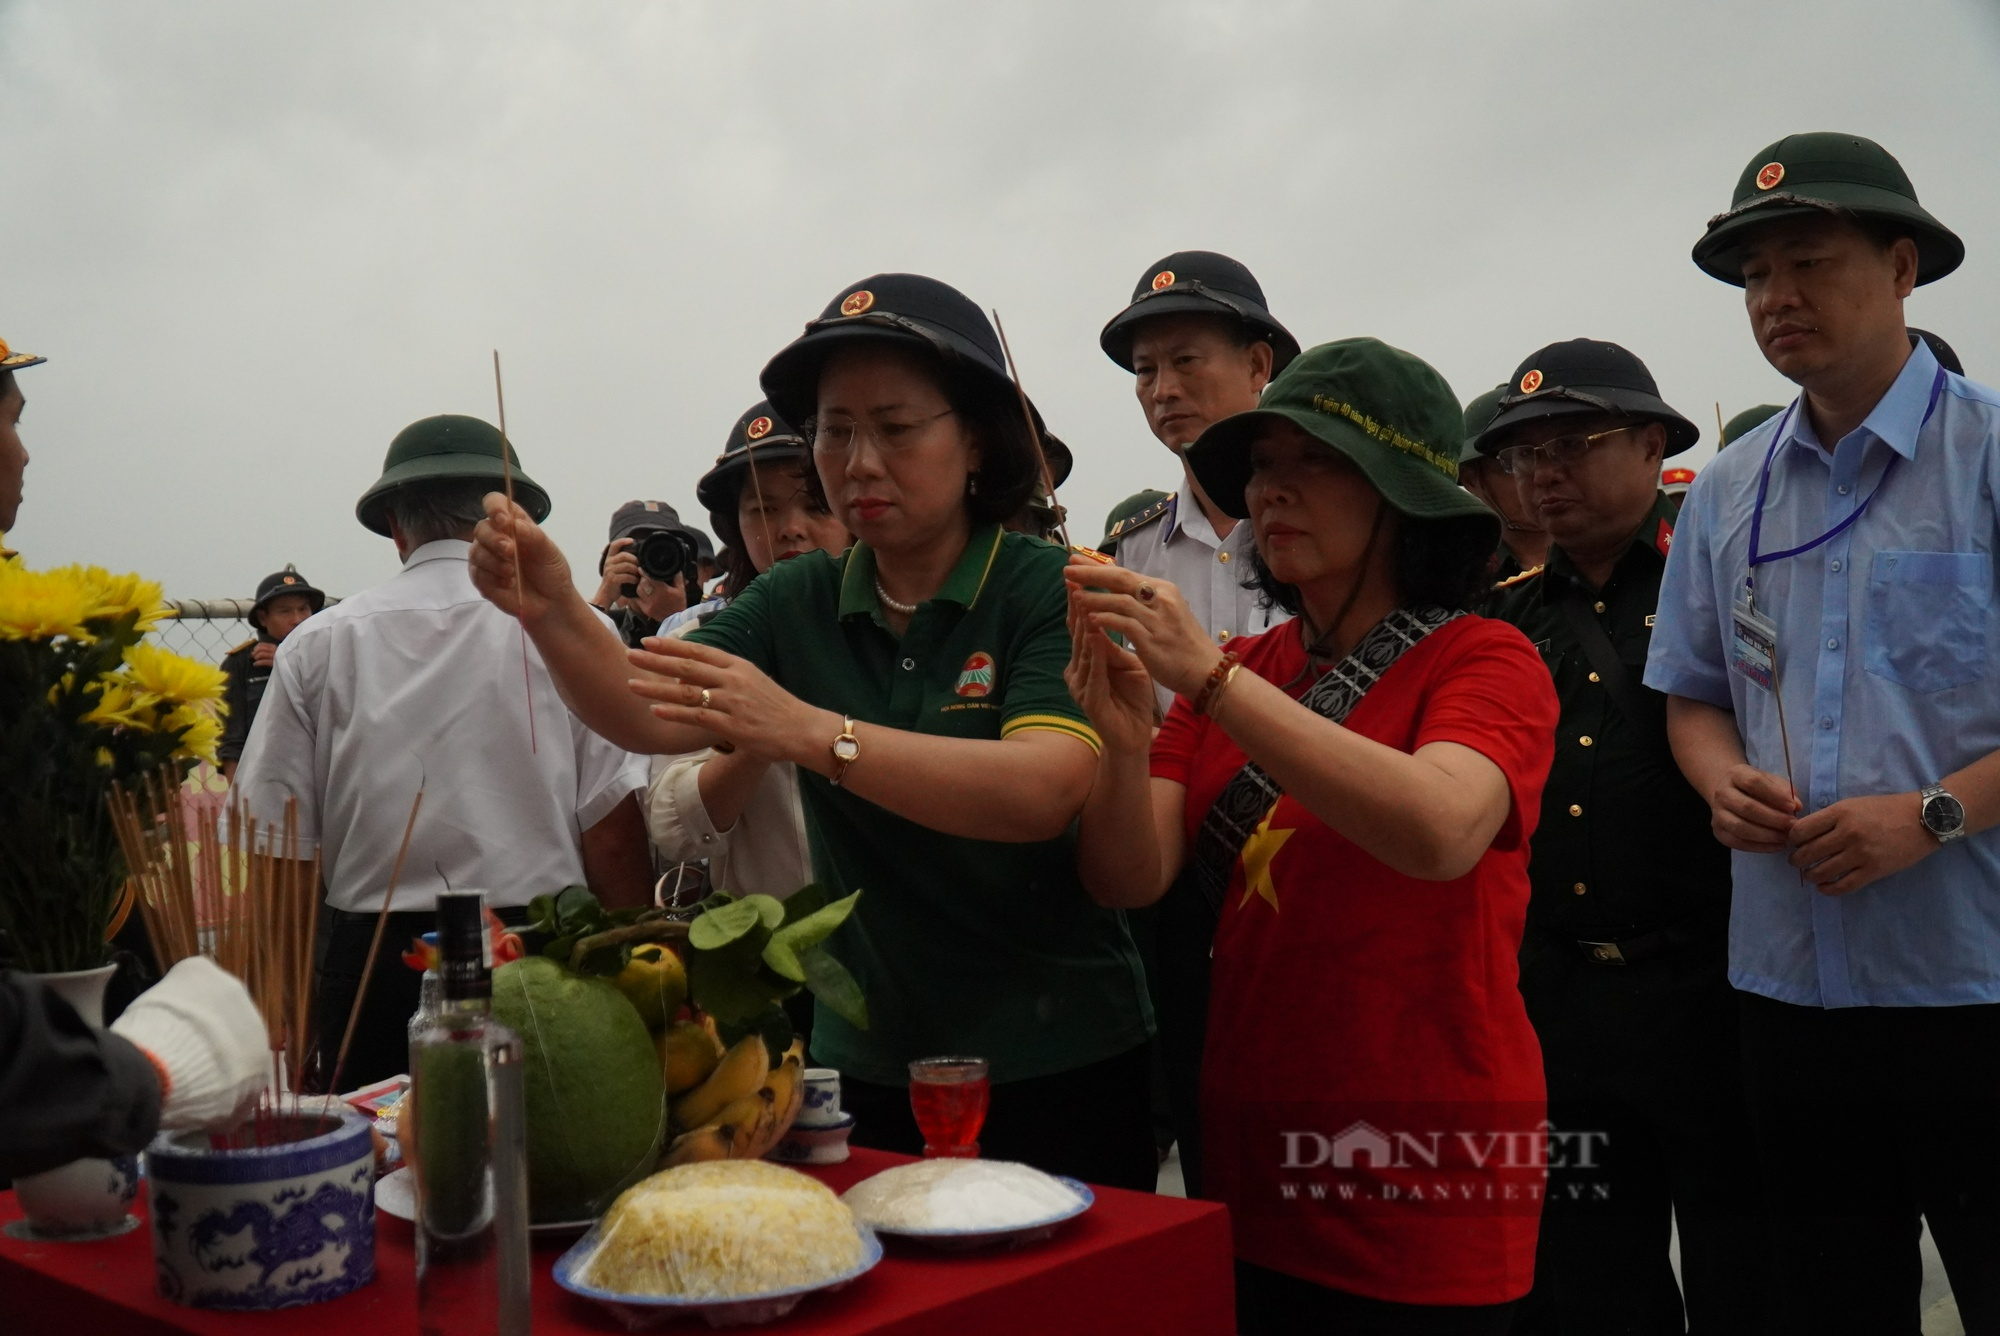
<point x="916" y="682"/>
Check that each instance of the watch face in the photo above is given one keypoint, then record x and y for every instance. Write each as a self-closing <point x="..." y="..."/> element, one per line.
<point x="846" y="749"/>
<point x="1943" y="814"/>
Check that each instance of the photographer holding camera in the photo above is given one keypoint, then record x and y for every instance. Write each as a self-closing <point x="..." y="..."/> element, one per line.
<point x="648" y="568"/>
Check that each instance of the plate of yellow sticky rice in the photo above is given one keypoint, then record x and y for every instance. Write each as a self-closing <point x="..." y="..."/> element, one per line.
<point x="731" y="1241"/>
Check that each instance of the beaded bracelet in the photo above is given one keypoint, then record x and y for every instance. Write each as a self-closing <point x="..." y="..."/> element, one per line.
<point x="1218" y="679"/>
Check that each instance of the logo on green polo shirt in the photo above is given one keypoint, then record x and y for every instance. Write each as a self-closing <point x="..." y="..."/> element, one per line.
<point x="976" y="678"/>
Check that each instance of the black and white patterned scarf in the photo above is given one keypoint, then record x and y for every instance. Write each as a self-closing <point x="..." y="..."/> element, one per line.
<point x="1251" y="793"/>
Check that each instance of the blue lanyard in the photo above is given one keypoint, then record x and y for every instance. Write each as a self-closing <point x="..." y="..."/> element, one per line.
<point x="1764" y="486"/>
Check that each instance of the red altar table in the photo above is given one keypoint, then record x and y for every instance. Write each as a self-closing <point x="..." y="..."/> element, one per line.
<point x="1133" y="1262"/>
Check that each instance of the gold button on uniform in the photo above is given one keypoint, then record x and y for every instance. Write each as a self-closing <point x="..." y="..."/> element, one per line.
<point x="1595" y="678"/>
<point x="1221" y="636"/>
<point x="1579" y="888"/>
<point x="1222" y="557"/>
<point x="1584" y="740"/>
<point x="1599" y="605"/>
<point x="1575" y="810"/>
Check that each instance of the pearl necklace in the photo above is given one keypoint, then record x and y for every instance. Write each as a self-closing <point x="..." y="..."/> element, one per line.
<point x="907" y="609"/>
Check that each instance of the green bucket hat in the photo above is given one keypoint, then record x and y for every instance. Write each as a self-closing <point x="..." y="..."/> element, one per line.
<point x="1823" y="173"/>
<point x="447" y="446"/>
<point x="1388" y="411"/>
<point x="1479" y="415"/>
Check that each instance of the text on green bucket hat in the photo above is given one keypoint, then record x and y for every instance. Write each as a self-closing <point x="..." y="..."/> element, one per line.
<point x="1386" y="410"/>
<point x="1821" y="173"/>
<point x="448" y="446"/>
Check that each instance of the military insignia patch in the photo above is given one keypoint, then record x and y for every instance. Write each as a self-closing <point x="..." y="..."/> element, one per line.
<point x="854" y="303"/>
<point x="1663" y="540"/>
<point x="758" y="429"/>
<point x="291" y="579"/>
<point x="1531" y="382"/>
<point x="1770" y="174"/>
<point x="976" y="678"/>
<point x="1163" y="279"/>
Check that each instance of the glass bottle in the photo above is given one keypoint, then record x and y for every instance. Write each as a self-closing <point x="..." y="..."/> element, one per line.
<point x="466" y="1137"/>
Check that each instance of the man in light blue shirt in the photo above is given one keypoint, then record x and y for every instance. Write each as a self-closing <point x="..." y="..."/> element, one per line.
<point x="1827" y="638"/>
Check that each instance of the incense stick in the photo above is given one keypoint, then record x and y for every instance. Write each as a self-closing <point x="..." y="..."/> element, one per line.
<point x="1034" y="433"/>
<point x="1720" y="430"/>
<point x="520" y="614"/>
<point x="374" y="945"/>
<point x="260" y="915"/>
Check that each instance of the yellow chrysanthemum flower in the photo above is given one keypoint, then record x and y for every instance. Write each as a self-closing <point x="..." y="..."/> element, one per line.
<point x="118" y="706"/>
<point x="118" y="595"/>
<point x="45" y="605"/>
<point x="172" y="677"/>
<point x="204" y="731"/>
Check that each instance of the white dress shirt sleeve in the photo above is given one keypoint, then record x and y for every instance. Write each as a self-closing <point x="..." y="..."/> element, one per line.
<point x="676" y="818"/>
<point x="280" y="758"/>
<point x="604" y="775"/>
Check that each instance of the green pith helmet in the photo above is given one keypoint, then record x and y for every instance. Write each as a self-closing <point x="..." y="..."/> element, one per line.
<point x="1479" y="415"/>
<point x="447" y="446"/>
<point x="1386" y="410"/>
<point x="1747" y="421"/>
<point x="1134" y="504"/>
<point x="1821" y="173"/>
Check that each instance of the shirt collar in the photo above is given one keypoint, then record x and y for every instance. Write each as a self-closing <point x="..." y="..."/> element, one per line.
<point x="444" y="549"/>
<point x="1897" y="416"/>
<point x="962" y="586"/>
<point x="1642" y="548"/>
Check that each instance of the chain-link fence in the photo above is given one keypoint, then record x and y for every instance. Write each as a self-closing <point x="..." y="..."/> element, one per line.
<point x="208" y="628"/>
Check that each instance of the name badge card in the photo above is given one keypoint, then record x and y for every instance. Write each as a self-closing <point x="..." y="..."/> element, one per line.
<point x="1754" y="651"/>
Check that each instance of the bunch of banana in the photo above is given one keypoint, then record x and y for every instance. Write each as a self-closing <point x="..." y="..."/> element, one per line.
<point x="741" y="1110"/>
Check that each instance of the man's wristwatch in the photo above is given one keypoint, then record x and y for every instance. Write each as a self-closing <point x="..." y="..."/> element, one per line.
<point x="1943" y="815"/>
<point x="846" y="750"/>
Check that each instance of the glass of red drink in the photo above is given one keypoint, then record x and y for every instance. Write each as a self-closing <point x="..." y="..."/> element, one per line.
<point x="948" y="1096"/>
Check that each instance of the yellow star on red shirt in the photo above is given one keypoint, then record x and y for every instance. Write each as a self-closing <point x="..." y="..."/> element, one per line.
<point x="1258" y="851"/>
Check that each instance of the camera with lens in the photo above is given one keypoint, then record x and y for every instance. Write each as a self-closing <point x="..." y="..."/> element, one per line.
<point x="664" y="554"/>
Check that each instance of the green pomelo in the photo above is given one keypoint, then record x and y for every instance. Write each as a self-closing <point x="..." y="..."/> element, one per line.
<point x="597" y="1106"/>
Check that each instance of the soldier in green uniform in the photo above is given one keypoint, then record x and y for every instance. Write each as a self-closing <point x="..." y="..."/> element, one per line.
<point x="1624" y="963"/>
<point x="284" y="599"/>
<point x="1523" y="542"/>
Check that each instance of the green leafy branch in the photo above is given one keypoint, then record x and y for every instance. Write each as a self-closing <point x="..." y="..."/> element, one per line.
<point x="745" y="955"/>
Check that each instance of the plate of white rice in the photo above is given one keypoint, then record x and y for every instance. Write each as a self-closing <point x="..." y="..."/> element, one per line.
<point x="967" y="1203"/>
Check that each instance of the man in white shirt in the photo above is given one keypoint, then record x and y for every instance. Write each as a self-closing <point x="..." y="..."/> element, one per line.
<point x="1201" y="346"/>
<point x="419" y="683"/>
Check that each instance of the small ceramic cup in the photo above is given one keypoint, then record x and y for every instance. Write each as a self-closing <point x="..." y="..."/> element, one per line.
<point x="822" y="1102"/>
<point x="268" y="1226"/>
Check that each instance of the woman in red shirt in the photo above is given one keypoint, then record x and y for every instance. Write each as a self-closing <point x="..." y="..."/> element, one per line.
<point x="1353" y="792"/>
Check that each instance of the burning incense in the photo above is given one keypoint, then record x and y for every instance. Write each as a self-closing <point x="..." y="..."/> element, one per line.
<point x="240" y="901"/>
<point x="507" y="480"/>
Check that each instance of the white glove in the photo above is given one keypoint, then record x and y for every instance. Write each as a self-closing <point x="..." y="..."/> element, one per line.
<point x="203" y="1032"/>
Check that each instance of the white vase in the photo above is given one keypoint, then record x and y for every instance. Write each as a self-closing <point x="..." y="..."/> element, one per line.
<point x="84" y="1199"/>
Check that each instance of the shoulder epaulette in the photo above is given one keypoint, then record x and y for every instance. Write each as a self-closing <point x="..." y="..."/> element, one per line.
<point x="1133" y="523"/>
<point x="1513" y="580"/>
<point x="245" y="645"/>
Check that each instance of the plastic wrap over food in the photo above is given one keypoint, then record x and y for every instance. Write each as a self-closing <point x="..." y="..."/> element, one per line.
<point x="959" y="1195"/>
<point x="721" y="1229"/>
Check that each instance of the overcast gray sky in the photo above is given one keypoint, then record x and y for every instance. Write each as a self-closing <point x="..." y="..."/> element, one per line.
<point x="256" y="240"/>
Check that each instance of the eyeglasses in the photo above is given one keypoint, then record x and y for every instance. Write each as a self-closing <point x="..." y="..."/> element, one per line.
<point x="1561" y="452"/>
<point x="891" y="438"/>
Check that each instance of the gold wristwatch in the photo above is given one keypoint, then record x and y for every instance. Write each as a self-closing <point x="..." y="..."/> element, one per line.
<point x="846" y="750"/>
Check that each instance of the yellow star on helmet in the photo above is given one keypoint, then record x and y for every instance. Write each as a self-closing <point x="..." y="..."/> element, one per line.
<point x="1258" y="851"/>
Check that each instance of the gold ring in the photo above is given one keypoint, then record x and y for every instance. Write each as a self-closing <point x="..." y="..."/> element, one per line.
<point x="1145" y="593"/>
<point x="704" y="699"/>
